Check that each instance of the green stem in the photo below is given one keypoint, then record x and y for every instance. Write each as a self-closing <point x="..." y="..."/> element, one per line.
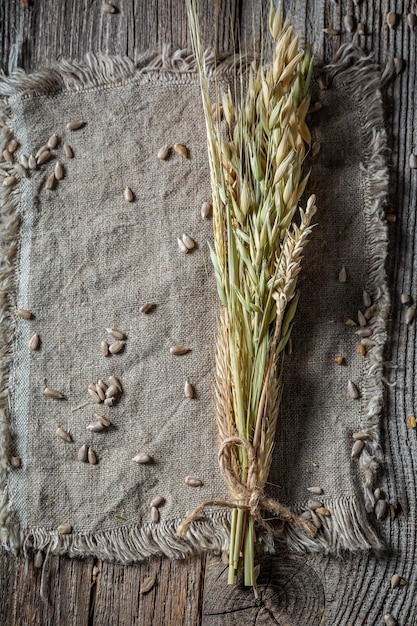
<point x="231" y="577"/>
<point x="248" y="553"/>
<point x="240" y="530"/>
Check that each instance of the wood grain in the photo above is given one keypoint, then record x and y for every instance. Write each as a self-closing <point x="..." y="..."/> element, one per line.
<point x="296" y="591"/>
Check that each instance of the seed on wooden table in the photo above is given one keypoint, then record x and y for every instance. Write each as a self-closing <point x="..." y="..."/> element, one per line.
<point x="314" y="504"/>
<point x="92" y="457"/>
<point x="405" y="298"/>
<point x="391" y="19"/>
<point x="352" y="390"/>
<point x="163" y="153"/>
<point x="316" y="520"/>
<point x="100" y="393"/>
<point x="182" y="245"/>
<point x="360" y="436"/>
<point x="361" y="349"/>
<point x="395" y="580"/>
<point x="52" y="393"/>
<point x="105" y="348"/>
<point x="206" y="210"/>
<point x="15" y="461"/>
<point x="32" y="162"/>
<point x="349" y="23"/>
<point x="75" y="125"/>
<point x="147" y="584"/>
<point x="9" y="181"/>
<point x="52" y="141"/>
<point x="115" y="381"/>
<point x="41" y="149"/>
<point x="157" y="501"/>
<point x="411" y="421"/>
<point x="189" y="243"/>
<point x="398" y="64"/>
<point x="106" y="7"/>
<point x="95" y="427"/>
<point x="117" y="334"/>
<point x="83" y="453"/>
<point x="95" y="396"/>
<point x="361" y="28"/>
<point x="64" y="529"/>
<point x="7" y="156"/>
<point x="68" y="151"/>
<point x="179" y="350"/>
<point x="342" y="274"/>
<point x="43" y="157"/>
<point x="59" y="170"/>
<point x="339" y="360"/>
<point x="362" y="319"/>
<point x="12" y="146"/>
<point x="112" y="391"/>
<point x="317" y="491"/>
<point x="154" y="514"/>
<point x="109" y="402"/>
<point x="333" y="32"/>
<point x="38" y="560"/>
<point x="181" y="150"/>
<point x="128" y="194"/>
<point x="142" y="458"/>
<point x="103" y="385"/>
<point x="390" y="620"/>
<point x="50" y="182"/>
<point x="409" y="316"/>
<point x="323" y="511"/>
<point x="357" y="448"/>
<point x="413" y="161"/>
<point x="145" y="308"/>
<point x="192" y="481"/>
<point x="412" y="20"/>
<point x="103" y="420"/>
<point x="188" y="390"/>
<point x="315" y="148"/>
<point x="23" y="160"/>
<point x="63" y="434"/>
<point x="116" y="347"/>
<point x="369" y="343"/>
<point x="24" y="314"/>
<point x="377" y="494"/>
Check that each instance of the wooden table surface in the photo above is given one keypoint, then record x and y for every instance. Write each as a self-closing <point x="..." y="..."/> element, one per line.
<point x="295" y="591"/>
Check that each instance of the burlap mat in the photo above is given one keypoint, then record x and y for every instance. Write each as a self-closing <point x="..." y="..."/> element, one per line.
<point x="83" y="259"/>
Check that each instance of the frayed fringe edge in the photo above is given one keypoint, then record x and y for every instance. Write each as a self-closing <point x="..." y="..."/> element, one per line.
<point x="353" y="67"/>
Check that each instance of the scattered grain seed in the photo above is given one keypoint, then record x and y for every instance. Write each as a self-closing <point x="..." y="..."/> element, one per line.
<point x="348" y="321"/>
<point x="206" y="210"/>
<point x="59" y="170"/>
<point x="41" y="150"/>
<point x="391" y="19"/>
<point x="95" y="571"/>
<point x="116" y="347"/>
<point x="361" y="349"/>
<point x="63" y="434"/>
<point x="53" y="393"/>
<point x="314" y="504"/>
<point x="182" y="245"/>
<point x="12" y="146"/>
<point x="331" y="31"/>
<point x="364" y="332"/>
<point x="38" y="560"/>
<point x="411" y="421"/>
<point x="117" y="334"/>
<point x="352" y="390"/>
<point x="357" y="448"/>
<point x="128" y="194"/>
<point x="323" y="511"/>
<point x="95" y="427"/>
<point x="398" y="65"/>
<point x="390" y="620"/>
<point x="50" y="182"/>
<point x="413" y="163"/>
<point x="100" y="393"/>
<point x="19" y="169"/>
<point x="92" y="457"/>
<point x="181" y="150"/>
<point x="9" y="181"/>
<point x="106" y="7"/>
<point x="147" y="584"/>
<point x="381" y="509"/>
<point x="188" y="390"/>
<point x="92" y="386"/>
<point x="366" y="299"/>
<point x="146" y="308"/>
<point x="95" y="396"/>
<point x="369" y="343"/>
<point x="109" y="402"/>
<point x="362" y="319"/>
<point x="24" y="314"/>
<point x="412" y="20"/>
<point x="409" y="316"/>
<point x="339" y="360"/>
<point x="75" y="125"/>
<point x="68" y="151"/>
<point x="64" y="529"/>
<point x="43" y="157"/>
<point x="361" y="29"/>
<point x="102" y="384"/>
<point x="15" y="461"/>
<point x="112" y="391"/>
<point x="157" y="501"/>
<point x="105" y="348"/>
<point x="52" y="141"/>
<point x="163" y="153"/>
<point x="370" y="312"/>
<point x="315" y="148"/>
<point x="179" y="350"/>
<point x="316" y="520"/>
<point x="8" y="156"/>
<point x="317" y="491"/>
<point x="142" y="458"/>
<point x="377" y="494"/>
<point x="405" y="298"/>
<point x="395" y="580"/>
<point x="115" y="381"/>
<point x="32" y="162"/>
<point x="103" y="420"/>
<point x="188" y="242"/>
<point x="323" y="81"/>
<point x="192" y="481"/>
<point x="306" y="515"/>
<point x="154" y="514"/>
<point x="349" y="23"/>
<point x="23" y="160"/>
<point x="360" y="436"/>
<point x="83" y="453"/>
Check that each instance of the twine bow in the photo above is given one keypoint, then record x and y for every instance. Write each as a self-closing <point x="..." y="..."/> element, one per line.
<point x="249" y="496"/>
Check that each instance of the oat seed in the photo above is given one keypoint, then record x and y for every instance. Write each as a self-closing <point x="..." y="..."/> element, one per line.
<point x="323" y="511"/>
<point x="405" y="298"/>
<point x="342" y="274"/>
<point x="23" y="160"/>
<point x="182" y="245"/>
<point x="147" y="584"/>
<point x="157" y="501"/>
<point x="369" y="343"/>
<point x="361" y="29"/>
<point x="349" y="23"/>
<point x="146" y="308"/>
<point x="316" y="520"/>
<point x="377" y="494"/>
<point x="112" y="391"/>
<point x="192" y="481"/>
<point x="179" y="350"/>
<point x="361" y="350"/>
<point x="409" y="316"/>
<point x="181" y="150"/>
<point x="92" y="457"/>
<point x="7" y="156"/>
<point x="103" y="420"/>
<point x="395" y="580"/>
<point x="357" y="448"/>
<point x="109" y="402"/>
<point x="206" y="210"/>
<point x="59" y="170"/>
<point x="116" y="347"/>
<point x="142" y="458"/>
<point x="306" y="515"/>
<point x="317" y="491"/>
<point x="83" y="453"/>
<point x="103" y="385"/>
<point x="154" y="514"/>
<point x="34" y="342"/>
<point x="12" y="146"/>
<point x="64" y="529"/>
<point x="106" y="7"/>
<point x="75" y="125"/>
<point x="50" y="182"/>
<point x="412" y="20"/>
<point x="188" y="242"/>
<point x="163" y="153"/>
<point x="63" y="434"/>
<point x="38" y="560"/>
<point x="95" y="427"/>
<point x="100" y="393"/>
<point x="360" y="436"/>
<point x="32" y="162"/>
<point x="314" y="504"/>
<point x="52" y="141"/>
<point x="115" y="381"/>
<point x="24" y="314"/>
<point x="366" y="299"/>
<point x="364" y="332"/>
<point x="53" y="393"/>
<point x="105" y="348"/>
<point x="315" y="148"/>
<point x="117" y="334"/>
<point x="188" y="390"/>
<point x="362" y="319"/>
<point x="68" y="151"/>
<point x="128" y="194"/>
<point x="9" y="181"/>
<point x="352" y="390"/>
<point x="43" y="157"/>
<point x="40" y="151"/>
<point x="391" y="19"/>
<point x="95" y="396"/>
